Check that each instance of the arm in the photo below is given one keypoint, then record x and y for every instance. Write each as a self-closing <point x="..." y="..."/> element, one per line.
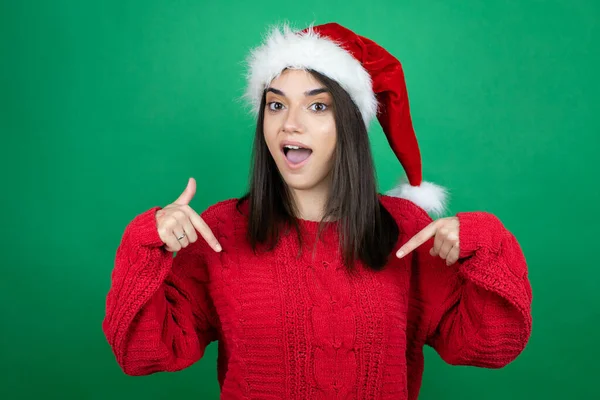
<point x="159" y="316"/>
<point x="477" y="311"/>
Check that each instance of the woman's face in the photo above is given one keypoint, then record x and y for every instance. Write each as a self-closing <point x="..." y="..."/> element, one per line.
<point x="299" y="111"/>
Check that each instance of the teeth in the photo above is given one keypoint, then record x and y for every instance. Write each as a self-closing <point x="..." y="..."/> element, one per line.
<point x="288" y="146"/>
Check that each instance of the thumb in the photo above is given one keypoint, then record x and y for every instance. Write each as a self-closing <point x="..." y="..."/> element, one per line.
<point x="188" y="194"/>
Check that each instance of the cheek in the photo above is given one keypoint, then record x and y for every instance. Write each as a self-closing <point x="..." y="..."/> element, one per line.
<point x="270" y="134"/>
<point x="329" y="138"/>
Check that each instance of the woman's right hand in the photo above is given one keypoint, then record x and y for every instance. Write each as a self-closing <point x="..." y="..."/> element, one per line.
<point x="179" y="218"/>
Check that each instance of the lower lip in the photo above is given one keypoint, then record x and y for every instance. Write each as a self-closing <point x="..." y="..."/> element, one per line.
<point x="296" y="166"/>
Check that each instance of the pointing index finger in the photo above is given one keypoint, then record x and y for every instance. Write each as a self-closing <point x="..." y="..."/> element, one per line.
<point x="424" y="235"/>
<point x="205" y="231"/>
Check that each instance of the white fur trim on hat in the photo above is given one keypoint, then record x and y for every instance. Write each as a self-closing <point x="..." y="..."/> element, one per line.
<point x="284" y="48"/>
<point x="429" y="196"/>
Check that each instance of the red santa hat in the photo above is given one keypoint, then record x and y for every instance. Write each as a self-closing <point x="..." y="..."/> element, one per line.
<point x="373" y="78"/>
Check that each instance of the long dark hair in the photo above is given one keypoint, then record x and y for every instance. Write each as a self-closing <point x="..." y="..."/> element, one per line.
<point x="366" y="229"/>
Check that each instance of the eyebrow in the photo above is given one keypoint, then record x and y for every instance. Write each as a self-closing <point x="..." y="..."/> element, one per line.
<point x="308" y="93"/>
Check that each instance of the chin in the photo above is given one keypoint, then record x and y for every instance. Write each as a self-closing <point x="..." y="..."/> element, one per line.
<point x="299" y="184"/>
<point x="306" y="179"/>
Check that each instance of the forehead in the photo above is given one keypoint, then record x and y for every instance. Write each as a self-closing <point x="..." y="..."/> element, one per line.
<point x="292" y="80"/>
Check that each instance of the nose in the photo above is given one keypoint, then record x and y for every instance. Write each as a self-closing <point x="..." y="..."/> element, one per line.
<point x="292" y="122"/>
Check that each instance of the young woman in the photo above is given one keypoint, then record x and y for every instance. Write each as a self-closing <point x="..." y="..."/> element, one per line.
<point x="314" y="285"/>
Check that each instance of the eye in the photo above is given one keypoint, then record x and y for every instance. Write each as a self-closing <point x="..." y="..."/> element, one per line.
<point x="275" y="106"/>
<point x="319" y="107"/>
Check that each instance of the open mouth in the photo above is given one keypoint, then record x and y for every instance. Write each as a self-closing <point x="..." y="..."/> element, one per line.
<point x="296" y="154"/>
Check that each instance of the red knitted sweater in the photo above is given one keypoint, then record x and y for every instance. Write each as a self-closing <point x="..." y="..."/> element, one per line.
<point x="304" y="328"/>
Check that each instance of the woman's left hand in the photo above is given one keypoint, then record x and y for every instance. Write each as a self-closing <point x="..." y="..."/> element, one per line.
<point x="445" y="243"/>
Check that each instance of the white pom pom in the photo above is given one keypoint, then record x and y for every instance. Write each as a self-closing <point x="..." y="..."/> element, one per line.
<point x="429" y="196"/>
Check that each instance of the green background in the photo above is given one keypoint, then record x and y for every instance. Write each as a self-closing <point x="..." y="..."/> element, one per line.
<point x="108" y="107"/>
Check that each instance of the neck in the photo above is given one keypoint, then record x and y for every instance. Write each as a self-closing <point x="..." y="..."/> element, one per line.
<point x="311" y="203"/>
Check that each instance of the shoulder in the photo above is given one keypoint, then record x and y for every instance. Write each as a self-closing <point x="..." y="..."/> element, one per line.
<point x="225" y="212"/>
<point x="408" y="215"/>
<point x="221" y="218"/>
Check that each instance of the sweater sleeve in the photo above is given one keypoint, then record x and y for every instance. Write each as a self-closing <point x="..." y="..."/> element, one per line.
<point x="159" y="316"/>
<point x="477" y="311"/>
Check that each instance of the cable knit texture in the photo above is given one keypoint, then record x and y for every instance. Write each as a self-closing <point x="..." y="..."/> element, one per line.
<point x="302" y="327"/>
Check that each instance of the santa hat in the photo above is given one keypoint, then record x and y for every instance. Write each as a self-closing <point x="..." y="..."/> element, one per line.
<point x="373" y="78"/>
